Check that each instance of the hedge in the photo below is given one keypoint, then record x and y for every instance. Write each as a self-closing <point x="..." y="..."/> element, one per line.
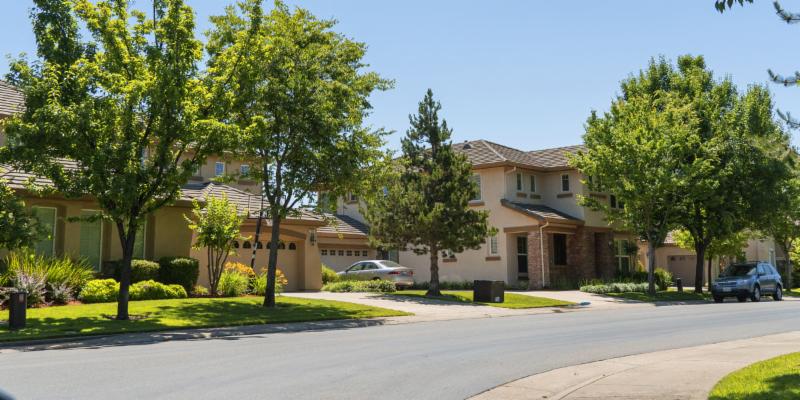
<point x="182" y="271"/>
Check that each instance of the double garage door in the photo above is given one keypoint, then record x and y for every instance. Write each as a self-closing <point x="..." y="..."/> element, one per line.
<point x="682" y="267"/>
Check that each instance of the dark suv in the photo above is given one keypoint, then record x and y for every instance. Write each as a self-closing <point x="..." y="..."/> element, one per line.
<point x="752" y="279"/>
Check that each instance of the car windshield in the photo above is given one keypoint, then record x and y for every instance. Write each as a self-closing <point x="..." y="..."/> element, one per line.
<point x="391" y="264"/>
<point x="739" y="270"/>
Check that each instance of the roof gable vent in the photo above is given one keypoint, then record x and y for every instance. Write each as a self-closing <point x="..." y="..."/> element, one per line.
<point x="466" y="146"/>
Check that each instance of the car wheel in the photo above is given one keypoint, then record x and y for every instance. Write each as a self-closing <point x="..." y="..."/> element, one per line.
<point x="778" y="296"/>
<point x="718" y="299"/>
<point x="741" y="299"/>
<point x="756" y="295"/>
<point x="376" y="279"/>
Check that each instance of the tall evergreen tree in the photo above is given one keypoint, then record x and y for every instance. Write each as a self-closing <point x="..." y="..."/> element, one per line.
<point x="427" y="208"/>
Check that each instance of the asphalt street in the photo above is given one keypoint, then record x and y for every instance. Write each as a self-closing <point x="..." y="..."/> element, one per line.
<point x="428" y="360"/>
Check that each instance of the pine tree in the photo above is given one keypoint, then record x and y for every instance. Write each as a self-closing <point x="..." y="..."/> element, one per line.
<point x="426" y="208"/>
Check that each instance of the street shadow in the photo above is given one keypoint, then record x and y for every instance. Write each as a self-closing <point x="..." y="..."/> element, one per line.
<point x="207" y="323"/>
<point x="440" y="301"/>
<point x="785" y="386"/>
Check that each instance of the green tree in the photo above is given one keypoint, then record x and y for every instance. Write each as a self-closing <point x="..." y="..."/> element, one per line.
<point x="427" y="207"/>
<point x="783" y="225"/>
<point x="730" y="247"/>
<point x="124" y="109"/>
<point x="637" y="150"/>
<point x="298" y="93"/>
<point x="17" y="227"/>
<point x="217" y="225"/>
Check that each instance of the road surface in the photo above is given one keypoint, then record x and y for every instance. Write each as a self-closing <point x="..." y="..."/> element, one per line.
<point x="429" y="360"/>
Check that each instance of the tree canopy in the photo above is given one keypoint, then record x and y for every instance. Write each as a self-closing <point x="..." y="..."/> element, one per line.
<point x="120" y="116"/>
<point x="426" y="207"/>
<point x="18" y="228"/>
<point x="298" y="93"/>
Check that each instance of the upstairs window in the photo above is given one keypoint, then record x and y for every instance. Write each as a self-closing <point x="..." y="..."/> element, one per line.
<point x="614" y="203"/>
<point x="219" y="168"/>
<point x="244" y="170"/>
<point x="476" y="179"/>
<point x="492" y="245"/>
<point x="565" y="183"/>
<point x="519" y="182"/>
<point x="533" y="183"/>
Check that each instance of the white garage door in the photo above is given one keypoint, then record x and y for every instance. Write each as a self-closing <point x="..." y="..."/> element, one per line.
<point x="682" y="267"/>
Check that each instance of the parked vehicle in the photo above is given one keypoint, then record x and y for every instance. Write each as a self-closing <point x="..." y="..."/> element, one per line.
<point x="752" y="279"/>
<point x="380" y="269"/>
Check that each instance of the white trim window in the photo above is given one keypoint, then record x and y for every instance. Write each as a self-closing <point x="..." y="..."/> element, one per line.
<point x="46" y="217"/>
<point x="91" y="238"/>
<point x="244" y="170"/>
<point x="491" y="247"/>
<point x="565" y="182"/>
<point x="219" y="168"/>
<point x="533" y="183"/>
<point x="476" y="179"/>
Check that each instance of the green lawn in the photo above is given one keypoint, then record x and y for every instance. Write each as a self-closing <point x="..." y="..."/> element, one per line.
<point x="88" y="319"/>
<point x="661" y="296"/>
<point x="774" y="379"/>
<point x="794" y="292"/>
<point x="512" y="300"/>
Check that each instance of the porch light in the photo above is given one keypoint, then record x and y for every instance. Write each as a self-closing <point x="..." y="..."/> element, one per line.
<point x="312" y="237"/>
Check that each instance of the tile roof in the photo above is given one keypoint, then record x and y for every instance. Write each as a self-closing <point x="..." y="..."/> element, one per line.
<point x="539" y="211"/>
<point x="484" y="152"/>
<point x="343" y="224"/>
<point x="11" y="99"/>
<point x="246" y="203"/>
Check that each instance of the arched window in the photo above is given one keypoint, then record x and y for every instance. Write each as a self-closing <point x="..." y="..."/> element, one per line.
<point x="246" y="245"/>
<point x="259" y="245"/>
<point x="281" y="246"/>
<point x="235" y="244"/>
<point x="292" y="246"/>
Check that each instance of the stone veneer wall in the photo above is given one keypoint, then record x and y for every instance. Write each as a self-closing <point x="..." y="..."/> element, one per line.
<point x="589" y="256"/>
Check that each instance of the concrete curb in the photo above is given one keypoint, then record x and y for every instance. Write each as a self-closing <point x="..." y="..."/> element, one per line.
<point x="687" y="373"/>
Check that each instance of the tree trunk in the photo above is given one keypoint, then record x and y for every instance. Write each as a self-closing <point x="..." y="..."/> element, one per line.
<point x="709" y="273"/>
<point x="787" y="274"/>
<point x="125" y="274"/>
<point x="651" y="267"/>
<point x="700" y="252"/>
<point x="433" y="287"/>
<point x="272" y="266"/>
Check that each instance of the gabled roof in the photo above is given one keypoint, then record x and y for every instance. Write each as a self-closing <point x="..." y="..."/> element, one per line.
<point x="12" y="100"/>
<point x="485" y="153"/>
<point x="540" y="212"/>
<point x="344" y="225"/>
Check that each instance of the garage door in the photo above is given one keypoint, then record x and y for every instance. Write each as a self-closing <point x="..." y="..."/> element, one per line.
<point x="288" y="259"/>
<point x="682" y="267"/>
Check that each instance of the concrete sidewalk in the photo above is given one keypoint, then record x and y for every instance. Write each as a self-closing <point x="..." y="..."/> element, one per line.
<point x="688" y="373"/>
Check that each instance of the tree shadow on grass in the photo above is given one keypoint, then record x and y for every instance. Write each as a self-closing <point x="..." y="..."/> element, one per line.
<point x="445" y="300"/>
<point x="781" y="387"/>
<point x="216" y="319"/>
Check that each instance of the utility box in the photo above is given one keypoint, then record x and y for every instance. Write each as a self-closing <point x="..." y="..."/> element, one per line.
<point x="488" y="291"/>
<point x="18" y="304"/>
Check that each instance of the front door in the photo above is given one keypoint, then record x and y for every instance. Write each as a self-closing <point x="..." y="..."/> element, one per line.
<point x="522" y="257"/>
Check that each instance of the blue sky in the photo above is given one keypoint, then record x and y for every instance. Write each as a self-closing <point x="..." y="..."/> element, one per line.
<point x="524" y="73"/>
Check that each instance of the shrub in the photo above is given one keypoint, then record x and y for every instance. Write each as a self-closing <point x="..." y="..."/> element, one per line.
<point x="99" y="291"/>
<point x="563" y="283"/>
<point x="617" y="287"/>
<point x="141" y="270"/>
<point x="232" y="283"/>
<point x="328" y="275"/>
<point x="446" y="285"/>
<point x="179" y="270"/>
<point x="200" y="290"/>
<point x="65" y="271"/>
<point x="152" y="290"/>
<point x="45" y="278"/>
<point x="259" y="283"/>
<point x="240" y="268"/>
<point x="61" y="293"/>
<point x="376" y="286"/>
<point x="662" y="278"/>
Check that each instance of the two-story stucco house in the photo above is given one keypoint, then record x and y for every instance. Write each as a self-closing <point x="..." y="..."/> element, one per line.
<point x="166" y="232"/>
<point x="544" y="234"/>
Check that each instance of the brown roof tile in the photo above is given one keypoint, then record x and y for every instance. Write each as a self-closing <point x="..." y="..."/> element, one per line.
<point x="343" y="224"/>
<point x="539" y="211"/>
<point x="12" y="100"/>
<point x="484" y="152"/>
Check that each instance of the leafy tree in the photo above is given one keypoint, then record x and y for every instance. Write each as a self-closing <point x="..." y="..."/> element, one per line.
<point x="637" y="150"/>
<point x="124" y="109"/>
<point x="427" y="207"/>
<point x="17" y="227"/>
<point x="784" y="225"/>
<point x="216" y="225"/>
<point x="297" y="91"/>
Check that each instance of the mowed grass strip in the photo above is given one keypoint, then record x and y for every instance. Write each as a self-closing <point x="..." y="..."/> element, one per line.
<point x="512" y="300"/>
<point x="155" y="315"/>
<point x="661" y="296"/>
<point x="774" y="379"/>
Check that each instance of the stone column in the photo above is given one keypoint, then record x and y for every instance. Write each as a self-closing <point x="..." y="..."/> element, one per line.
<point x="604" y="255"/>
<point x="537" y="280"/>
<point x="581" y="254"/>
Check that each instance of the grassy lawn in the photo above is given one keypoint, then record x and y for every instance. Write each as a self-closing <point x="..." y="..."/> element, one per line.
<point x="794" y="292"/>
<point x="774" y="379"/>
<point x="512" y="300"/>
<point x="661" y="296"/>
<point x="88" y="319"/>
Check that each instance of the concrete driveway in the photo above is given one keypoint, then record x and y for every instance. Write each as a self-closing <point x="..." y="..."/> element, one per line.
<point x="426" y="309"/>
